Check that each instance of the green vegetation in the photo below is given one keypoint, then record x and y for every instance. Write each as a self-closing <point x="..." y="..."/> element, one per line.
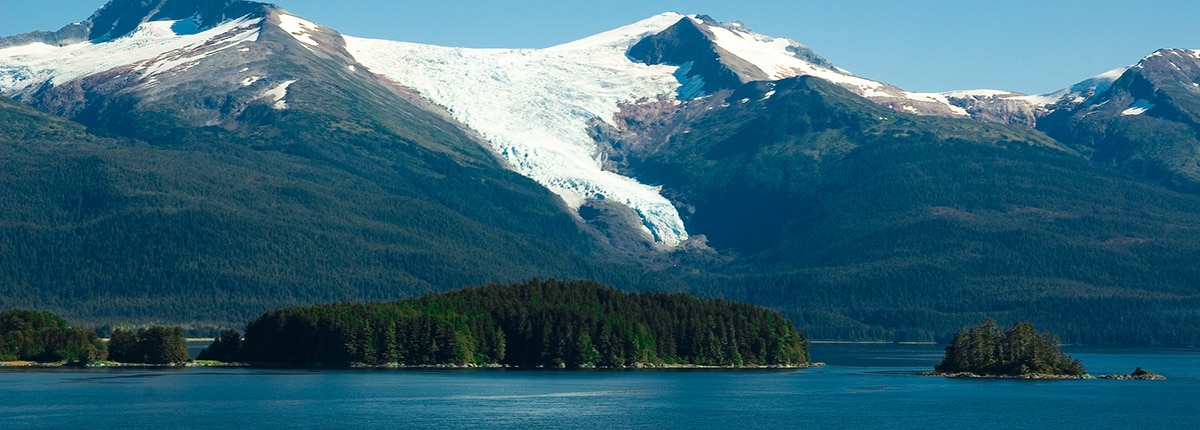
<point x="986" y="350"/>
<point x="1140" y="372"/>
<point x="44" y="337"/>
<point x="852" y="220"/>
<point x="225" y="348"/>
<point x="547" y="323"/>
<point x="210" y="227"/>
<point x="153" y="345"/>
<point x="1158" y="144"/>
<point x="859" y="222"/>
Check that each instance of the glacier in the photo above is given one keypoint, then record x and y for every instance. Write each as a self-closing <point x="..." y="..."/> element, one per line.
<point x="534" y="106"/>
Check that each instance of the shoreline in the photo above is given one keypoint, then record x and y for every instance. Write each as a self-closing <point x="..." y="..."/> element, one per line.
<point x="390" y="366"/>
<point x="1043" y="377"/>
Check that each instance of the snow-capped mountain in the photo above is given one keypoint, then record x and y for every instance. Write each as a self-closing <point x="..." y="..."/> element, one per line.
<point x="248" y="161"/>
<point x="1144" y="119"/>
<point x="215" y="62"/>
<point x="713" y="56"/>
<point x="209" y="159"/>
<point x="536" y="106"/>
<point x="538" y="109"/>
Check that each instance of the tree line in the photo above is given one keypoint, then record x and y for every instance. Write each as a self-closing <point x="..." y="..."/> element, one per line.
<point x="540" y="323"/>
<point x="153" y="345"/>
<point x="42" y="336"/>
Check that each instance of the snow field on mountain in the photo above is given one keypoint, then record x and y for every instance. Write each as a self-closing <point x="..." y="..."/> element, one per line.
<point x="278" y="93"/>
<point x="772" y="56"/>
<point x="1139" y="106"/>
<point x="1075" y="93"/>
<point x="25" y="68"/>
<point x="534" y="107"/>
<point x="301" y="29"/>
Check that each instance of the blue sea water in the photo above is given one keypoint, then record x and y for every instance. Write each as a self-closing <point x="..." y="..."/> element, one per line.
<point x="863" y="386"/>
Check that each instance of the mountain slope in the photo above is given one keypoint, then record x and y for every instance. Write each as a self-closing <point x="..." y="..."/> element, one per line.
<point x="858" y="221"/>
<point x="226" y="157"/>
<point x="536" y="106"/>
<point x="1147" y="122"/>
<point x="252" y="165"/>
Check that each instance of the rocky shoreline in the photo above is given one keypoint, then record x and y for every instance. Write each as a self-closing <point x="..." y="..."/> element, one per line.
<point x="114" y="364"/>
<point x="1119" y="377"/>
<point x="637" y="366"/>
<point x="1115" y="377"/>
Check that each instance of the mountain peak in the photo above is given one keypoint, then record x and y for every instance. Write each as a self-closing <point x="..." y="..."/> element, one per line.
<point x="1171" y="58"/>
<point x="688" y="45"/>
<point x="120" y="17"/>
<point x="714" y="55"/>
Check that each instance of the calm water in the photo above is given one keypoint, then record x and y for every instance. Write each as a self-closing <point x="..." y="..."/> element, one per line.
<point x="864" y="386"/>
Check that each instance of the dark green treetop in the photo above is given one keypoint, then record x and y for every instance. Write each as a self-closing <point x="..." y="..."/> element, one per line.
<point x="985" y="349"/>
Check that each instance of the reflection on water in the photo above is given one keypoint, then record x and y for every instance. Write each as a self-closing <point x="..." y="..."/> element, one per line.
<point x="625" y="393"/>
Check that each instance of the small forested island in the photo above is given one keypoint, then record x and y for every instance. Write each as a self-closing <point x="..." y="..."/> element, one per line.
<point x="42" y="338"/>
<point x="985" y="350"/>
<point x="537" y="324"/>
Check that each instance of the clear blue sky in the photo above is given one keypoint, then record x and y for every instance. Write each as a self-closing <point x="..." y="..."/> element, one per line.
<point x="1031" y="46"/>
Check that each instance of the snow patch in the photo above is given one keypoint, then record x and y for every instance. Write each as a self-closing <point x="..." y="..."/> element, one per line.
<point x="1137" y="108"/>
<point x="301" y="29"/>
<point x="173" y="60"/>
<point x="251" y="80"/>
<point x="154" y="46"/>
<point x="1076" y="93"/>
<point x="775" y="57"/>
<point x="621" y="36"/>
<point x="978" y="93"/>
<point x="278" y="93"/>
<point x="939" y="98"/>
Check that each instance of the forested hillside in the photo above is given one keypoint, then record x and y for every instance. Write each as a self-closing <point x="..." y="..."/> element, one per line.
<point x="860" y="222"/>
<point x="204" y="228"/>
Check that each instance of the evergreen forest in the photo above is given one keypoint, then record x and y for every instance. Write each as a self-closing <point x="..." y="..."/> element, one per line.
<point x="43" y="337"/>
<point x="986" y="349"/>
<point x="539" y="323"/>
